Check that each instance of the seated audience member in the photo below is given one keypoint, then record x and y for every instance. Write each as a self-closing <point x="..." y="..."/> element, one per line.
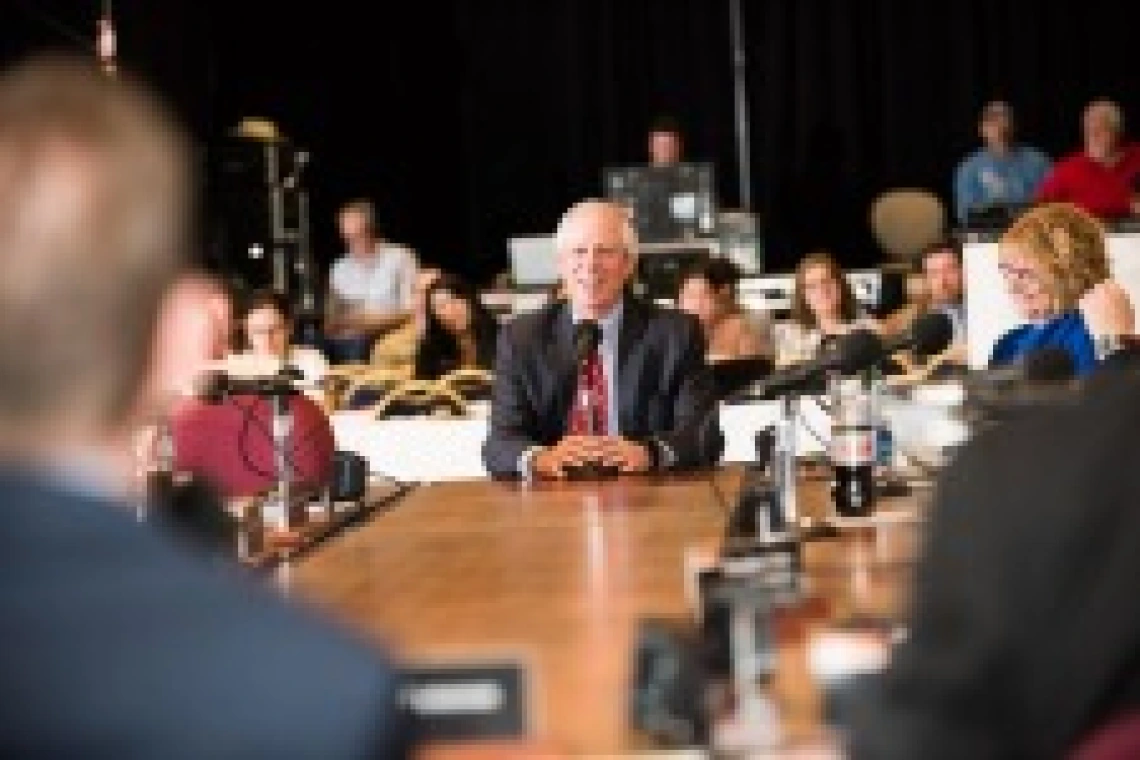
<point x="823" y="307"/>
<point x="370" y="286"/>
<point x="267" y="326"/>
<point x="708" y="292"/>
<point x="1056" y="271"/>
<point x="398" y="347"/>
<point x="460" y="331"/>
<point x="945" y="285"/>
<point x="1104" y="177"/>
<point x="642" y="400"/>
<point x="120" y="638"/>
<point x="665" y="144"/>
<point x="1001" y="172"/>
<point x="942" y="290"/>
<point x="1023" y="631"/>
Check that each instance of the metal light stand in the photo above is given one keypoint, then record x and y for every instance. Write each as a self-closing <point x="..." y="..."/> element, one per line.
<point x="279" y="235"/>
<point x="284" y="190"/>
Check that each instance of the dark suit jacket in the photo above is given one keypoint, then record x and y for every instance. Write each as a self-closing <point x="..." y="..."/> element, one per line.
<point x="1026" y="625"/>
<point x="117" y="641"/>
<point x="665" y="388"/>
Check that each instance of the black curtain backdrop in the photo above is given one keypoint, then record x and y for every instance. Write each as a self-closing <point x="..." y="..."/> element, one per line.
<point x="471" y="121"/>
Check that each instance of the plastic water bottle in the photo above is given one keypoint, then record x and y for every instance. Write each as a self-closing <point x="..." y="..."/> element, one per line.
<point x="853" y="447"/>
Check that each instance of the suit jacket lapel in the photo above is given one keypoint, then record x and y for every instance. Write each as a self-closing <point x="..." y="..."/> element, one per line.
<point x="633" y="324"/>
<point x="561" y="356"/>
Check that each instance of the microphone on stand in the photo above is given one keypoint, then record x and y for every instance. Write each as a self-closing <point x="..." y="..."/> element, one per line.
<point x="929" y="334"/>
<point x="216" y="386"/>
<point x="846" y="354"/>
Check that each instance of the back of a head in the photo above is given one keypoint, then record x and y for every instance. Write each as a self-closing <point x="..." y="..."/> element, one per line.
<point x="94" y="213"/>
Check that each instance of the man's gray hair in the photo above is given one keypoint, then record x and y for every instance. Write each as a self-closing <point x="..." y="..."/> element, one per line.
<point x="629" y="232"/>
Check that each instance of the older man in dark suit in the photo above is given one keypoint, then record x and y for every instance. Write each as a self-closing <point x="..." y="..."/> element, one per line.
<point x="642" y="400"/>
<point x="120" y="639"/>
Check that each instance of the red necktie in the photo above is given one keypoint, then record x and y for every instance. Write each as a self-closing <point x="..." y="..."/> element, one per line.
<point x="590" y="399"/>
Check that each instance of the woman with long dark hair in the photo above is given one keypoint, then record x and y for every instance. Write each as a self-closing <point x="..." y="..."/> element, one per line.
<point x="823" y="307"/>
<point x="459" y="331"/>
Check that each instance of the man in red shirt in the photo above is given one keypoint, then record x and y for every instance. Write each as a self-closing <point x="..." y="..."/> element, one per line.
<point x="1103" y="178"/>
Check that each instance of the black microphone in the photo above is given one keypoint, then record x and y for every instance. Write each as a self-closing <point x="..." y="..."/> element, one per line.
<point x="846" y="354"/>
<point x="291" y="372"/>
<point x="587" y="338"/>
<point x="929" y="334"/>
<point x="215" y="386"/>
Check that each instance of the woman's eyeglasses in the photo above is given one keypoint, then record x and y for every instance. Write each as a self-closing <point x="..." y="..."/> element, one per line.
<point x="1019" y="275"/>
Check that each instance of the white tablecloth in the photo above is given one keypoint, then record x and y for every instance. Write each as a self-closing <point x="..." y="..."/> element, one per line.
<point x="427" y="449"/>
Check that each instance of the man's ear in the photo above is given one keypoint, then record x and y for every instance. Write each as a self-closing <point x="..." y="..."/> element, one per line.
<point x="183" y="343"/>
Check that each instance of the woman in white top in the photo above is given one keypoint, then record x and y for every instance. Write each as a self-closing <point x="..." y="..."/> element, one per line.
<point x="267" y="326"/>
<point x="823" y="306"/>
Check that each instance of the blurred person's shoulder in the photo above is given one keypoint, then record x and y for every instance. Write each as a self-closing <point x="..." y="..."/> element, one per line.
<point x="972" y="160"/>
<point x="1082" y="426"/>
<point x="117" y="608"/>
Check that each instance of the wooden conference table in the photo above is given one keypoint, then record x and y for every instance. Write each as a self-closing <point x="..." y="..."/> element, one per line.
<point x="557" y="576"/>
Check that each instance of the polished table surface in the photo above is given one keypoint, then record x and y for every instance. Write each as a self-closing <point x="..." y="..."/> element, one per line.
<point x="557" y="577"/>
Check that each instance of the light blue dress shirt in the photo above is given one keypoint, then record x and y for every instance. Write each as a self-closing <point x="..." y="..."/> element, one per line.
<point x="985" y="179"/>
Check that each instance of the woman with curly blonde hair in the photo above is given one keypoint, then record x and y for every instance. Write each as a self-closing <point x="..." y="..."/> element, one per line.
<point x="1055" y="266"/>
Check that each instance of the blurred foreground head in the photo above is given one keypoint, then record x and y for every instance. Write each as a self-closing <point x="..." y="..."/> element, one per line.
<point x="94" y="219"/>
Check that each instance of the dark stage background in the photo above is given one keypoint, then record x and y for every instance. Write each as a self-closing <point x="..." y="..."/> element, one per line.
<point x="470" y="121"/>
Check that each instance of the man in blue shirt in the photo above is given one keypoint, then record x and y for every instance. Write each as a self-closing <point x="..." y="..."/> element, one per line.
<point x="1001" y="173"/>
